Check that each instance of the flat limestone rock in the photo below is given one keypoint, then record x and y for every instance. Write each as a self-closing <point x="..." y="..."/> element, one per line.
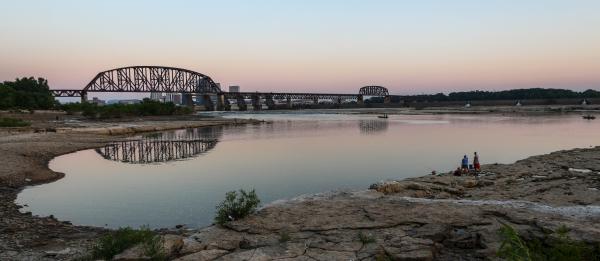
<point x="204" y="255"/>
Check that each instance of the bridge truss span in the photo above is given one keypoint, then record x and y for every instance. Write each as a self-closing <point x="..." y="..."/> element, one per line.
<point x="152" y="79"/>
<point x="374" y="91"/>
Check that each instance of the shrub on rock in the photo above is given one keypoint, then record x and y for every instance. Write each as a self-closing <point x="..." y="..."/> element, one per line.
<point x="236" y="206"/>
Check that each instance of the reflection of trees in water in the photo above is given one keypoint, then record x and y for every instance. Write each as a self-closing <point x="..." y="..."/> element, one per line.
<point x="372" y="126"/>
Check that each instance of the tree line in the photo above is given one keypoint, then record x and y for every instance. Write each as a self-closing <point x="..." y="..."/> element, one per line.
<point x="26" y="93"/>
<point x="515" y="94"/>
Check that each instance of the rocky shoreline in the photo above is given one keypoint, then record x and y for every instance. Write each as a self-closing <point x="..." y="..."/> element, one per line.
<point x="25" y="153"/>
<point x="433" y="217"/>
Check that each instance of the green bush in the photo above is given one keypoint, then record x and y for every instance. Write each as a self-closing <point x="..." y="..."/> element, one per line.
<point x="554" y="246"/>
<point x="513" y="248"/>
<point x="366" y="238"/>
<point x="118" y="241"/>
<point x="12" y="122"/>
<point x="236" y="206"/>
<point x="284" y="236"/>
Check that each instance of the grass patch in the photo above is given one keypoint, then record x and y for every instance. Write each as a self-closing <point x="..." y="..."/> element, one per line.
<point x="556" y="245"/>
<point x="236" y="206"/>
<point x="118" y="241"/>
<point x="284" y="236"/>
<point x="366" y="238"/>
<point x="12" y="122"/>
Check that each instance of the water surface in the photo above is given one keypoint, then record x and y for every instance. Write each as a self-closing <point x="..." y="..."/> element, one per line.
<point x="184" y="177"/>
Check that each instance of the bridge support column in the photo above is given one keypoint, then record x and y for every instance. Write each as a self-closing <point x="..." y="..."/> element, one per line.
<point x="387" y="99"/>
<point x="359" y="99"/>
<point x="208" y="104"/>
<point x="288" y="102"/>
<point x="227" y="104"/>
<point x="84" y="97"/>
<point x="256" y="103"/>
<point x="241" y="103"/>
<point x="187" y="99"/>
<point x="221" y="102"/>
<point x="338" y="100"/>
<point x="270" y="102"/>
<point x="316" y="100"/>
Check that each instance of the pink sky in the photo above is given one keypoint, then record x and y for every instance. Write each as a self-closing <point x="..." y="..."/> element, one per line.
<point x="337" y="46"/>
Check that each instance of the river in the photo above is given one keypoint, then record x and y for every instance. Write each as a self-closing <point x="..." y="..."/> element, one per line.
<point x="178" y="177"/>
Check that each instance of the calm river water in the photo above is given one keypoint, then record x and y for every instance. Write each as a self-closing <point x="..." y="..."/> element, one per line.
<point x="296" y="154"/>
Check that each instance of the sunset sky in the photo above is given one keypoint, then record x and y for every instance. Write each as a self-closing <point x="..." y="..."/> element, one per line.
<point x="318" y="46"/>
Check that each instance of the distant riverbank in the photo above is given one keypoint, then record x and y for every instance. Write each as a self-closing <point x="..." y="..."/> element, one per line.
<point x="425" y="110"/>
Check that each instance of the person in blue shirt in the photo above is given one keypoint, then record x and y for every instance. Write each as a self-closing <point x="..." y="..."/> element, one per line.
<point x="465" y="164"/>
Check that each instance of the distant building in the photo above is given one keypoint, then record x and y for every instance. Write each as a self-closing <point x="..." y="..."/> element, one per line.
<point x="156" y="96"/>
<point x="173" y="97"/>
<point x="132" y="101"/>
<point x="97" y="101"/>
<point x="234" y="88"/>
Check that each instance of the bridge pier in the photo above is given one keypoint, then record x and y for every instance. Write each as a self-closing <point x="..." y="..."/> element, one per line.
<point x="187" y="99"/>
<point x="227" y="104"/>
<point x="84" y="97"/>
<point x="338" y="100"/>
<point x="256" y="103"/>
<point x="316" y="100"/>
<point x="208" y="104"/>
<point x="270" y="102"/>
<point x="222" y="103"/>
<point x="288" y="102"/>
<point x="241" y="103"/>
<point x="359" y="99"/>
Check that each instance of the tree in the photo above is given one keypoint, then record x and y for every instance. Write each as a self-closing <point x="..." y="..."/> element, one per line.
<point x="26" y="93"/>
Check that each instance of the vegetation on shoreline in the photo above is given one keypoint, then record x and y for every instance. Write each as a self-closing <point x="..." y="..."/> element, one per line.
<point x="118" y="241"/>
<point x="555" y="245"/>
<point x="12" y="122"/>
<point x="515" y="94"/>
<point x="146" y="108"/>
<point x="236" y="206"/>
<point x="26" y="93"/>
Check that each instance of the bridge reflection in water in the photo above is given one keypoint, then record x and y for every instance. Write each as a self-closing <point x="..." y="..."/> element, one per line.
<point x="373" y="126"/>
<point x="155" y="150"/>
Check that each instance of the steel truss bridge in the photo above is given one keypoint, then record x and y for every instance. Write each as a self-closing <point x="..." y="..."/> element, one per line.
<point x="162" y="79"/>
<point x="146" y="151"/>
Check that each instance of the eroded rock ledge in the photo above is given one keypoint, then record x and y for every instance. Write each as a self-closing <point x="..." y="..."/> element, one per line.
<point x="427" y="218"/>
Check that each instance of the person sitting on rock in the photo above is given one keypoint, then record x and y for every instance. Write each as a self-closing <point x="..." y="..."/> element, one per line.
<point x="457" y="172"/>
<point x="476" y="162"/>
<point x="465" y="164"/>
